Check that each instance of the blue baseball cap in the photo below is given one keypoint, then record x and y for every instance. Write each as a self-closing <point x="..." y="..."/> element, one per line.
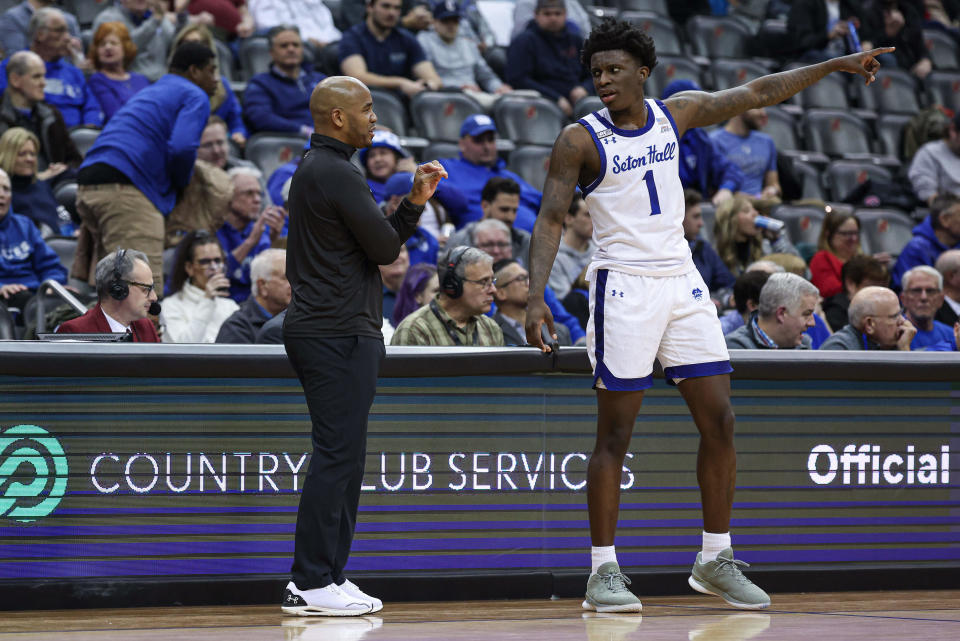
<point x="446" y="9"/>
<point x="677" y="86"/>
<point x="398" y="184"/>
<point x="477" y="124"/>
<point x="386" y="139"/>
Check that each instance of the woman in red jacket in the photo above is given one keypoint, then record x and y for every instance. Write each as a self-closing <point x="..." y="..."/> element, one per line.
<point x="839" y="242"/>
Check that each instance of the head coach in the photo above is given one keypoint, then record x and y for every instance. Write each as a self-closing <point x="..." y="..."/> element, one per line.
<point x="338" y="237"/>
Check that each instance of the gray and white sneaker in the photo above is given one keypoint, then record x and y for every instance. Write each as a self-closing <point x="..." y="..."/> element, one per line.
<point x="607" y="591"/>
<point x="353" y="590"/>
<point x="724" y="579"/>
<point x="328" y="601"/>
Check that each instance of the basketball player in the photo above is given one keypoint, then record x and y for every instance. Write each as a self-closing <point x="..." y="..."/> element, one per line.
<point x="647" y="299"/>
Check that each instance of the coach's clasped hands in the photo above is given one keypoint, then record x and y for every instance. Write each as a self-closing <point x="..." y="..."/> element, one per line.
<point x="425" y="182"/>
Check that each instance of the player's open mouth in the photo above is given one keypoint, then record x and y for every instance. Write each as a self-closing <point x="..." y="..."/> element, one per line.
<point x="607" y="97"/>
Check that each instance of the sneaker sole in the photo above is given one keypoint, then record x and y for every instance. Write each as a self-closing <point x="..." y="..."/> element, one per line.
<point x="704" y="589"/>
<point x="626" y="607"/>
<point x="314" y="611"/>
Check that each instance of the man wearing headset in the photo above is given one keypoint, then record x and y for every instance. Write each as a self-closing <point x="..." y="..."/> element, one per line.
<point x="456" y="316"/>
<point x="125" y="295"/>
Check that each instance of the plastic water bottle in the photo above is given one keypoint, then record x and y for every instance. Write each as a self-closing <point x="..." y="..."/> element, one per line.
<point x="853" y="40"/>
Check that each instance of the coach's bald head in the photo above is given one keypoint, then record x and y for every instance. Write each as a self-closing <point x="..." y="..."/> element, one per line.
<point x="342" y="108"/>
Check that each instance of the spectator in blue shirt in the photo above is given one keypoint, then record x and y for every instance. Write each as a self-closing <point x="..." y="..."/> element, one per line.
<point x="66" y="88"/>
<point x="702" y="165"/>
<point x="477" y="164"/>
<point x="142" y="158"/>
<point x="384" y="56"/>
<point x="937" y="233"/>
<point x="715" y="274"/>
<point x="111" y="53"/>
<point x="15" y="26"/>
<point x="382" y="159"/>
<point x="546" y="57"/>
<point x="922" y="297"/>
<point x="754" y="152"/>
<point x="248" y="230"/>
<point x="223" y="103"/>
<point x="279" y="99"/>
<point x="25" y="260"/>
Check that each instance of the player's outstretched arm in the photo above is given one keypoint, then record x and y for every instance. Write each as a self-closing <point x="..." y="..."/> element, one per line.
<point x="700" y="109"/>
<point x="566" y="163"/>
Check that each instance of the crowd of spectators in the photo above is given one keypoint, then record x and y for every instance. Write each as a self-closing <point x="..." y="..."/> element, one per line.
<point x="165" y="176"/>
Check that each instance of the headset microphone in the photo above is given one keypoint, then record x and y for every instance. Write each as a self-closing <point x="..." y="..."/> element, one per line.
<point x="154" y="308"/>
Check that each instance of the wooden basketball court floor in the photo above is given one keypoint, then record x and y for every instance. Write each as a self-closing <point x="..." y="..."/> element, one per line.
<point x="846" y="616"/>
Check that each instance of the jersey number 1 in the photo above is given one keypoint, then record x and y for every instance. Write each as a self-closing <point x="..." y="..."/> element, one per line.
<point x="652" y="191"/>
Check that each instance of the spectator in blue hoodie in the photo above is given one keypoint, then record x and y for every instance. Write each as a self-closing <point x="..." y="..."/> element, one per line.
<point x="546" y="57"/>
<point x="478" y="163"/>
<point x="382" y="159"/>
<point x="279" y="99"/>
<point x="922" y="297"/>
<point x="66" y="88"/>
<point x="25" y="260"/>
<point x="703" y="166"/>
<point x="422" y="246"/>
<point x="937" y="233"/>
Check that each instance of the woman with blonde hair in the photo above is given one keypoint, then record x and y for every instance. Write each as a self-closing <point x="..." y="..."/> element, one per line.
<point x="111" y="54"/>
<point x="224" y="102"/>
<point x="739" y="241"/>
<point x="32" y="196"/>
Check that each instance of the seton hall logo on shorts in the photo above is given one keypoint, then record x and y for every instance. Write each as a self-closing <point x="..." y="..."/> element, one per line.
<point x="697" y="294"/>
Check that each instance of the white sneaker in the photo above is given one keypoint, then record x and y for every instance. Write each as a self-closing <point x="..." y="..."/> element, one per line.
<point x="328" y="601"/>
<point x="351" y="588"/>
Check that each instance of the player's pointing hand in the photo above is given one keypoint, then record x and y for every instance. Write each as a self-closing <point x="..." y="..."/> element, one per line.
<point x="425" y="182"/>
<point x="864" y="63"/>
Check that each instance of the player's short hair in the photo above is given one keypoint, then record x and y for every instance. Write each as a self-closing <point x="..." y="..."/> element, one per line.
<point x="613" y="34"/>
<point x="747" y="287"/>
<point x="191" y="54"/>
<point x="784" y="290"/>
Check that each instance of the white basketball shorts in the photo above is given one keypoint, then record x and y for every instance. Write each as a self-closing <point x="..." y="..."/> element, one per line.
<point x="634" y="319"/>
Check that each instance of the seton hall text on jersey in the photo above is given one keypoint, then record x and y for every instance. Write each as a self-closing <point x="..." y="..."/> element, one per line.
<point x="652" y="156"/>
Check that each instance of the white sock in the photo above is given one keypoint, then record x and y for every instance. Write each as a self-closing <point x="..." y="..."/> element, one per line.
<point x="714" y="544"/>
<point x="601" y="555"/>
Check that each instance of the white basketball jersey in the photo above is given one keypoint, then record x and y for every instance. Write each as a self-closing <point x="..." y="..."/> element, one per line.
<point x="636" y="202"/>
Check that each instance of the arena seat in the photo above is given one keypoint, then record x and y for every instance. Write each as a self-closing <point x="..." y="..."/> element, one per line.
<point x="391" y="113"/>
<point x="268" y="150"/>
<point x="658" y="7"/>
<point x="660" y="28"/>
<point x="890" y="132"/>
<point x="668" y="69"/>
<point x="528" y="121"/>
<point x="943" y="49"/>
<point x="586" y="105"/>
<point x="532" y="163"/>
<point x="437" y="115"/>
<point x="943" y="88"/>
<point x="835" y="132"/>
<point x="83" y="138"/>
<point x="830" y="92"/>
<point x="7" y="327"/>
<point x="843" y="176"/>
<point x="65" y="247"/>
<point x="810" y="180"/>
<point x="254" y="56"/>
<point x="803" y="222"/>
<point x="782" y="127"/>
<point x="729" y="73"/>
<point x="886" y="230"/>
<point x="718" y="36"/>
<point x="440" y="149"/>
<point x="66" y="196"/>
<point x="894" y="91"/>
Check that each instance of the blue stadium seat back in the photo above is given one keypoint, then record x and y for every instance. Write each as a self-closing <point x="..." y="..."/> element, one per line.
<point x="890" y="131"/>
<point x="943" y="88"/>
<point x="835" y="132"/>
<point x="598" y="13"/>
<point x="843" y="176"/>
<point x="658" y="7"/>
<point x="728" y="72"/>
<point x="944" y="52"/>
<point x="782" y="127"/>
<point x="894" y="91"/>
<point x="803" y="222"/>
<point x="254" y="57"/>
<point x="83" y="138"/>
<point x="886" y="230"/>
<point x="660" y="28"/>
<point x="668" y="69"/>
<point x="528" y="121"/>
<point x="718" y="36"/>
<point x="269" y="150"/>
<point x="65" y="248"/>
<point x="586" y="105"/>
<point x="437" y="115"/>
<point x="391" y="112"/>
<point x="531" y="162"/>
